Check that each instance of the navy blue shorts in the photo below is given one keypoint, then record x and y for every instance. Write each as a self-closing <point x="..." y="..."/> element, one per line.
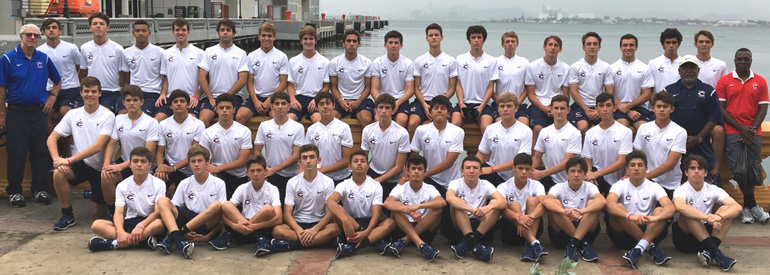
<point x="185" y="215"/>
<point x="247" y="103"/>
<point x="307" y="225"/>
<point x="624" y="241"/>
<point x="125" y="173"/>
<point x="523" y="111"/>
<point x="417" y="109"/>
<point x="204" y="104"/>
<point x="129" y="224"/>
<point x="304" y="101"/>
<point x="111" y="99"/>
<point x="83" y="172"/>
<point x="471" y="114"/>
<point x="366" y="105"/>
<point x="166" y="109"/>
<point x="686" y="242"/>
<point x="404" y="108"/>
<point x="560" y="239"/>
<point x="646" y="115"/>
<point x="148" y="107"/>
<point x="576" y="114"/>
<point x="537" y="117"/>
<point x="69" y="98"/>
<point x="509" y="235"/>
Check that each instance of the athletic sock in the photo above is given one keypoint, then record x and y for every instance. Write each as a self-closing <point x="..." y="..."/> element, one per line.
<point x="294" y="245"/>
<point x="478" y="237"/>
<point x="642" y="244"/>
<point x="363" y="244"/>
<point x="469" y="238"/>
<point x="114" y="244"/>
<point x="67" y="211"/>
<point x="710" y="245"/>
<point x="175" y="236"/>
<point x="183" y="230"/>
<point x="574" y="241"/>
<point x="534" y="242"/>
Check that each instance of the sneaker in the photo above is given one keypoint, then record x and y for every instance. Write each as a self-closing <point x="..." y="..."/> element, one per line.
<point x="344" y="250"/>
<point x="704" y="257"/>
<point x="716" y="180"/>
<point x="223" y="241"/>
<point x="64" y="223"/>
<point x="632" y="257"/>
<point x="382" y="247"/>
<point x="483" y="253"/>
<point x="99" y="244"/>
<point x="539" y="251"/>
<point x="186" y="248"/>
<point x="17" y="200"/>
<point x="657" y="255"/>
<point x="42" y="197"/>
<point x="397" y="247"/>
<point x="726" y="263"/>
<point x="428" y="252"/>
<point x="587" y="253"/>
<point x="529" y="253"/>
<point x="571" y="252"/>
<point x="460" y="249"/>
<point x="263" y="247"/>
<point x="165" y="244"/>
<point x="152" y="243"/>
<point x="759" y="214"/>
<point x="277" y="245"/>
<point x="746" y="216"/>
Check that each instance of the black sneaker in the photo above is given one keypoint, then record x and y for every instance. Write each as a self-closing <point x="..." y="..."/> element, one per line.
<point x="704" y="258"/>
<point x="64" y="223"/>
<point x="460" y="248"/>
<point x="529" y="253"/>
<point x="725" y="262"/>
<point x="223" y="241"/>
<point x="277" y="245"/>
<point x="587" y="253"/>
<point x="571" y="252"/>
<point x="99" y="244"/>
<point x="632" y="257"/>
<point x="263" y="247"/>
<point x="539" y="251"/>
<point x="382" y="247"/>
<point x="428" y="252"/>
<point x="397" y="247"/>
<point x="483" y="253"/>
<point x="152" y="242"/>
<point x="657" y="254"/>
<point x="42" y="197"/>
<point x="186" y="248"/>
<point x="17" y="200"/>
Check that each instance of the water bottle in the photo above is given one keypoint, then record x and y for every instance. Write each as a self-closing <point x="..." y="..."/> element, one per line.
<point x="86" y="194"/>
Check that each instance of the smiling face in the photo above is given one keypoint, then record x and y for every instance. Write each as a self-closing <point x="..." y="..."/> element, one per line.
<point x="628" y="47"/>
<point x="90" y="95"/>
<point x="181" y="33"/>
<point x="308" y="42"/>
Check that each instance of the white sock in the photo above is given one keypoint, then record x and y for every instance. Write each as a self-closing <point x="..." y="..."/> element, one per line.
<point x="535" y="242"/>
<point x="114" y="244"/>
<point x="642" y="244"/>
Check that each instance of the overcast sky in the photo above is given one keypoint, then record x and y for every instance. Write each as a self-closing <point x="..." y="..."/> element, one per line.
<point x="691" y="9"/>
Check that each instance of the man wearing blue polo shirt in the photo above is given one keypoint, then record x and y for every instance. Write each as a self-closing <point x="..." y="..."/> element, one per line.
<point x="24" y="73"/>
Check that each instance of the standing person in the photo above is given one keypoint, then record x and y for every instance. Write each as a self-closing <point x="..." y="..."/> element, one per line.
<point x="90" y="127"/>
<point x="175" y="136"/>
<point x="393" y="74"/>
<point x="605" y="146"/>
<point x="588" y="77"/>
<point x="333" y="139"/>
<point x="268" y="74"/>
<point x="66" y="58"/>
<point x="546" y="77"/>
<point x="475" y="81"/>
<point x="435" y="73"/>
<point x="308" y="76"/>
<point x="743" y="97"/>
<point x="24" y="72"/>
<point x="712" y="69"/>
<point x="141" y="66"/>
<point x="180" y="71"/>
<point x="558" y="142"/>
<point x="503" y="140"/>
<point x="664" y="68"/>
<point x="223" y="70"/>
<point x="633" y="83"/>
<point x="102" y="59"/>
<point x="510" y="74"/>
<point x="350" y="81"/>
<point x="388" y="141"/>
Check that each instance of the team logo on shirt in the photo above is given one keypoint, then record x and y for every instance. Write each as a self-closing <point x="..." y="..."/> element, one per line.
<point x="660" y="69"/>
<point x="216" y="140"/>
<point x="511" y="198"/>
<point x="171" y="58"/>
<point x="214" y="57"/>
<point x="39" y="65"/>
<point x="702" y="94"/>
<point x="541" y="76"/>
<point x="133" y="61"/>
<point x="384" y="71"/>
<point x="690" y="202"/>
<point x="595" y="142"/>
<point x="90" y="57"/>
<point x="79" y="123"/>
<point x="465" y="66"/>
<point x="495" y="139"/>
<point x="500" y="67"/>
<point x="257" y="63"/>
<point x="619" y="72"/>
<point x="462" y="196"/>
<point x="316" y="137"/>
<point x="647" y="137"/>
<point x="426" y="65"/>
<point x="405" y="203"/>
<point x="130" y="197"/>
<point x="247" y="202"/>
<point x="628" y="197"/>
<point x="373" y="141"/>
<point x="341" y="70"/>
<point x="755" y="86"/>
<point x="169" y="135"/>
<point x="300" y="194"/>
<point x="191" y="196"/>
<point x="120" y="129"/>
<point x="564" y="201"/>
<point x="300" y="70"/>
<point x="351" y="196"/>
<point x="269" y="135"/>
<point x="582" y="74"/>
<point x="547" y="139"/>
<point x="427" y="140"/>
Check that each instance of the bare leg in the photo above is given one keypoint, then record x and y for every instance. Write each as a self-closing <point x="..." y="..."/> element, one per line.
<point x="718" y="144"/>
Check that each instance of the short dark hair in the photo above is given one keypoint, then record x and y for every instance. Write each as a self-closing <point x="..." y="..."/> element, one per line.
<point x="280" y="95"/>
<point x="704" y="33"/>
<point x="225" y="98"/>
<point x="470" y="158"/>
<point x="522" y="159"/>
<point x="476" y="29"/>
<point x="663" y="96"/>
<point x="555" y="38"/>
<point x="99" y="15"/>
<point x="323" y="95"/>
<point x="670" y="33"/>
<point x="591" y="34"/>
<point x="697" y="158"/>
<point x="416" y="160"/>
<point x="197" y="149"/>
<point x="576" y="161"/>
<point x="603" y="97"/>
<point x="178" y="93"/>
<point x="744" y="50"/>
<point x="636" y="155"/>
<point x="434" y="26"/>
<point x="227" y="23"/>
<point x="352" y="32"/>
<point x="140" y="152"/>
<point x="385" y="99"/>
<point x="141" y="22"/>
<point x="394" y="34"/>
<point x="309" y="148"/>
<point x="50" y="21"/>
<point x="629" y="36"/>
<point x="132" y="90"/>
<point x="90" y="81"/>
<point x="441" y="100"/>
<point x="259" y="159"/>
<point x="559" y="98"/>
<point x="359" y="153"/>
<point x="181" y="22"/>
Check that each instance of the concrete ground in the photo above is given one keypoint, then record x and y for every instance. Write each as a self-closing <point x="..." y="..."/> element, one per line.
<point x="28" y="245"/>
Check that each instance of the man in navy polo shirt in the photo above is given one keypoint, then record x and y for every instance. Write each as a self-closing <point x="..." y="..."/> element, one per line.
<point x="24" y="73"/>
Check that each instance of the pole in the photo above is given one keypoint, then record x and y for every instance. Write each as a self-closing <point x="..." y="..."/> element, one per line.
<point x="66" y="9"/>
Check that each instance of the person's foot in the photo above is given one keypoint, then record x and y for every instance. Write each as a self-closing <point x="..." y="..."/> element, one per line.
<point x="64" y="222"/>
<point x="344" y="250"/>
<point x="96" y="244"/>
<point x="428" y="252"/>
<point x="759" y="214"/>
<point x="483" y="253"/>
<point x="277" y="245"/>
<point x="746" y="216"/>
<point x="382" y="247"/>
<point x="632" y="257"/>
<point x="657" y="254"/>
<point x="263" y="247"/>
<point x="587" y="252"/>
<point x="460" y="249"/>
<point x="397" y="247"/>
<point x="17" y="200"/>
<point x="529" y="253"/>
<point x="186" y="248"/>
<point x="704" y="258"/>
<point x="152" y="243"/>
<point x="223" y="241"/>
<point x="42" y="197"/>
<point x="725" y="262"/>
<point x="571" y="252"/>
<point x="539" y="251"/>
<point x="165" y="244"/>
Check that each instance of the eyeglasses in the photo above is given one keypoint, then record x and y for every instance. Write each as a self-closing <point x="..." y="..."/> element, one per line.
<point x="32" y="35"/>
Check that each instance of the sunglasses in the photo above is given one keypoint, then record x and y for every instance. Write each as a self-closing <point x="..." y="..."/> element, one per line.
<point x="31" y="35"/>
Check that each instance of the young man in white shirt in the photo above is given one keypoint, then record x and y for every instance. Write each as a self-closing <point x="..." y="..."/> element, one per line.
<point x="558" y="143"/>
<point x="475" y="81"/>
<point x="350" y="81"/>
<point x="633" y="83"/>
<point x="193" y="215"/>
<point x="261" y="211"/>
<point x="90" y="128"/>
<point x="141" y="66"/>
<point x="388" y="141"/>
<point x="435" y="73"/>
<point x="510" y="74"/>
<point x="333" y="138"/>
<point x="664" y="142"/>
<point x="638" y="213"/>
<point x="574" y="208"/>
<point x="476" y="206"/>
<point x="605" y="146"/>
<point x="102" y="58"/>
<point x="306" y="223"/>
<point x="268" y="74"/>
<point x="696" y="229"/>
<point x="546" y="77"/>
<point x="137" y="195"/>
<point x="133" y="129"/>
<point x="665" y="68"/>
<point x="179" y="69"/>
<point x="416" y="209"/>
<point x="503" y="140"/>
<point x="308" y="76"/>
<point x="588" y="77"/>
<point x="393" y="74"/>
<point x="522" y="221"/>
<point x="229" y="143"/>
<point x="66" y="58"/>
<point x="712" y="69"/>
<point x="361" y="210"/>
<point x="223" y="70"/>
<point x="175" y="136"/>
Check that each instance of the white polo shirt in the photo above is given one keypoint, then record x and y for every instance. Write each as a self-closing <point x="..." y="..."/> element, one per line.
<point x="703" y="200"/>
<point x="197" y="196"/>
<point x="139" y="200"/>
<point x="279" y="142"/>
<point x="181" y="68"/>
<point x="434" y="73"/>
<point x="177" y="138"/>
<point x="225" y="145"/>
<point x="358" y="200"/>
<point x="664" y="71"/>
<point x="630" y="79"/>
<point x="85" y="128"/>
<point x="656" y="143"/>
<point x="510" y="74"/>
<point x="393" y="75"/>
<point x="710" y="70"/>
<point x="308" y="74"/>
<point x="384" y="145"/>
<point x="475" y="75"/>
<point x="512" y="193"/>
<point x="604" y="146"/>
<point x="103" y="62"/>
<point x="435" y="145"/>
<point x="548" y="80"/>
<point x="223" y="66"/>
<point x="556" y="143"/>
<point x="144" y="66"/>
<point x="134" y="134"/>
<point x="504" y="144"/>
<point x="640" y="200"/>
<point x="330" y="139"/>
<point x="591" y="79"/>
<point x="351" y="74"/>
<point x="574" y="199"/>
<point x="405" y="194"/>
<point x="308" y="198"/>
<point x="65" y="57"/>
<point x="252" y="200"/>
<point x="473" y="197"/>
<point x="267" y="69"/>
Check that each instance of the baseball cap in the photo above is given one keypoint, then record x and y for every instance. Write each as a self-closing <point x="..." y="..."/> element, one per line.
<point x="689" y="59"/>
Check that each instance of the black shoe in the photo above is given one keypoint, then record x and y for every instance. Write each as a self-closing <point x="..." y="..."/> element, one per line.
<point x="17" y="200"/>
<point x="42" y="197"/>
<point x="64" y="223"/>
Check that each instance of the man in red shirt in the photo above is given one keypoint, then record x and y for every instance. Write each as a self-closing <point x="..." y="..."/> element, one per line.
<point x="743" y="96"/>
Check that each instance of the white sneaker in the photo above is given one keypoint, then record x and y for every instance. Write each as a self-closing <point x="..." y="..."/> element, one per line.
<point x="759" y="214"/>
<point x="746" y="216"/>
